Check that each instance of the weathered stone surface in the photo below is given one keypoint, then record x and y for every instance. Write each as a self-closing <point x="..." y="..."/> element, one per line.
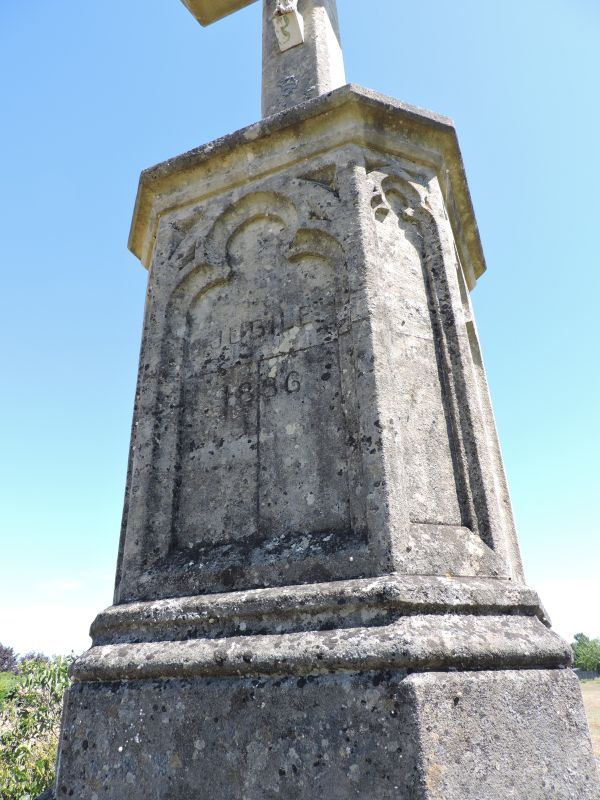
<point x="351" y="114"/>
<point x="308" y="408"/>
<point x="418" y="643"/>
<point x="240" y="739"/>
<point x="326" y="606"/>
<point x="291" y="74"/>
<point x="377" y="735"/>
<point x="305" y="72"/>
<point x="505" y="735"/>
<point x="319" y="588"/>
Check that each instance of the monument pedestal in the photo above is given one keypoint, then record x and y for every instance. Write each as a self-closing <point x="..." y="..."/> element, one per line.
<point x="379" y="735"/>
<point x="319" y="587"/>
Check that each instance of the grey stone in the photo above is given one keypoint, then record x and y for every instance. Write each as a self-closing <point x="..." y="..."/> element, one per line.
<point x="503" y="735"/>
<point x="305" y="72"/>
<point x="418" y="642"/>
<point x="256" y="739"/>
<point x="375" y="735"/>
<point x="292" y="75"/>
<point x="338" y="604"/>
<point x="319" y="588"/>
<point x="335" y="426"/>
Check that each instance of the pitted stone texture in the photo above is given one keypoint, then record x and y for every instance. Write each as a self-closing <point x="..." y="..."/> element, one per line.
<point x="325" y="606"/>
<point x="417" y="642"/>
<point x="312" y="408"/>
<point x="309" y="70"/>
<point x="295" y="74"/>
<point x="308" y="406"/>
<point x="351" y="114"/>
<point x="378" y="735"/>
<point x="292" y="738"/>
<point x="504" y="735"/>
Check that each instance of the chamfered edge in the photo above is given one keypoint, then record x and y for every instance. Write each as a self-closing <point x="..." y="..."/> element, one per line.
<point x="154" y="181"/>
<point x="209" y="11"/>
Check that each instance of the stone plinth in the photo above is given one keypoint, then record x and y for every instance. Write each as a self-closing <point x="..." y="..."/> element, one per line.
<point x="319" y="587"/>
<point x="378" y="735"/>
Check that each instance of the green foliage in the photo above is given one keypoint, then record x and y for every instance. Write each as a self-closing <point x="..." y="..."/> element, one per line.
<point x="7" y="683"/>
<point x="29" y="728"/>
<point x="8" y="659"/>
<point x="586" y="653"/>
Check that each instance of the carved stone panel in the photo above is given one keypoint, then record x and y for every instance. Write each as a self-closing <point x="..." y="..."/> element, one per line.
<point x="303" y="481"/>
<point x="410" y="345"/>
<point x="427" y="383"/>
<point x="308" y="412"/>
<point x="217" y="459"/>
<point x="261" y="468"/>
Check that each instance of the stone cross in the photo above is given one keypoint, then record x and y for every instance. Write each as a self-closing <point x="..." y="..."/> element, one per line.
<point x="319" y="590"/>
<point x="302" y="54"/>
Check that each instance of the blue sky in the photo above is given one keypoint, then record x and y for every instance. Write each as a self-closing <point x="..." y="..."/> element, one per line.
<point x="92" y="93"/>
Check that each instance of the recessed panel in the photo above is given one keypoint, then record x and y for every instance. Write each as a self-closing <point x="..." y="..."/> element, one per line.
<point x="261" y="453"/>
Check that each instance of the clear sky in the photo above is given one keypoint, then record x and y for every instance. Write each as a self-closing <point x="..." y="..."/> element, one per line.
<point x="92" y="93"/>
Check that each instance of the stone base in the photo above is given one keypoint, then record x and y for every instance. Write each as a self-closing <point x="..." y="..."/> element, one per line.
<point x="375" y="735"/>
<point x="503" y="735"/>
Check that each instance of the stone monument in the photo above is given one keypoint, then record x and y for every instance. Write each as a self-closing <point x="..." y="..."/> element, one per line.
<point x="319" y="591"/>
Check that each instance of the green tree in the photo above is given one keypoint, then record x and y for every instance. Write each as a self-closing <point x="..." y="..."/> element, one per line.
<point x="586" y="653"/>
<point x="29" y="725"/>
<point x="8" y="659"/>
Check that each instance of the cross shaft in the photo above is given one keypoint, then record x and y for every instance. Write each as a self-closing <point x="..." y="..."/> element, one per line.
<point x="313" y="67"/>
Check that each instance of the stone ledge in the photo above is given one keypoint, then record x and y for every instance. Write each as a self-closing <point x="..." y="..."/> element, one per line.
<point x="417" y="643"/>
<point x="340" y="604"/>
<point x="348" y="115"/>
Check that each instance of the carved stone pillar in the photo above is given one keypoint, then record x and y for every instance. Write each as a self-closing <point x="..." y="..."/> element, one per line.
<point x="319" y="589"/>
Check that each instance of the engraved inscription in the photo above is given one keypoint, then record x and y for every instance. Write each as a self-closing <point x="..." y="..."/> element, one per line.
<point x="291" y="327"/>
<point x="268" y="388"/>
<point x="214" y="455"/>
<point x="261" y="364"/>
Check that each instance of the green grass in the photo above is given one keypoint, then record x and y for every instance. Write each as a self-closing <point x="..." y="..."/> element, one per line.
<point x="7" y="682"/>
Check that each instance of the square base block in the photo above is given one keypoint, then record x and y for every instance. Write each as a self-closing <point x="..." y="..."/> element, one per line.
<point x="436" y="736"/>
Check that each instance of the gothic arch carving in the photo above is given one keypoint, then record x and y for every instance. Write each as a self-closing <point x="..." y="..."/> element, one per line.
<point x="395" y="193"/>
<point x="270" y="206"/>
<point x="210" y="264"/>
<point x="316" y="243"/>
